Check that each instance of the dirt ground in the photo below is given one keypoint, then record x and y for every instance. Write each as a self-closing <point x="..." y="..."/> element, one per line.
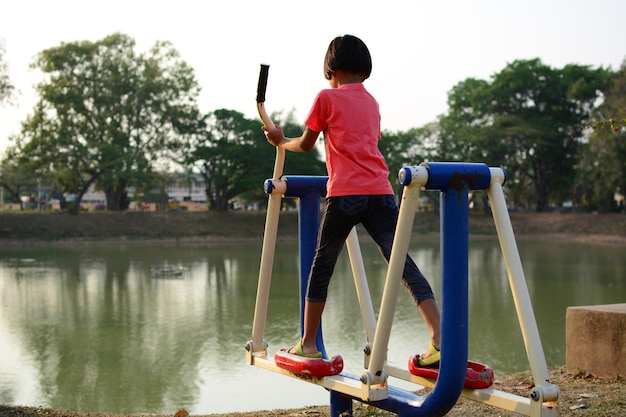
<point x="579" y="396"/>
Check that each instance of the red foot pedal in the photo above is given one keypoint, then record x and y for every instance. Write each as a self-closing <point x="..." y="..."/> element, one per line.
<point x="308" y="366"/>
<point x="477" y="376"/>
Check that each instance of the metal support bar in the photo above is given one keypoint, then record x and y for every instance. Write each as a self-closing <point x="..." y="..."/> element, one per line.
<point x="544" y="391"/>
<point x="257" y="343"/>
<point x="361" y="285"/>
<point x="389" y="299"/>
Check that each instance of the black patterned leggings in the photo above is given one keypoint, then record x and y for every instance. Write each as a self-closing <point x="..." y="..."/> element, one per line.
<point x="378" y="214"/>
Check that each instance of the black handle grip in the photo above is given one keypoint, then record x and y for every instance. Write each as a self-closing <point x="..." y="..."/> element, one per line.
<point x="260" y="91"/>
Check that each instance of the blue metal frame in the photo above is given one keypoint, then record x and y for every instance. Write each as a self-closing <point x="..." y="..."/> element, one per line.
<point x="453" y="180"/>
<point x="309" y="190"/>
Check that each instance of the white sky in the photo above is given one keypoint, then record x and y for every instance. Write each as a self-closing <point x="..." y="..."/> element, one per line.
<point x="420" y="49"/>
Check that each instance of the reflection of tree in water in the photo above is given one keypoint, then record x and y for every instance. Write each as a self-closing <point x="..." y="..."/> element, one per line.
<point x="101" y="334"/>
<point x="106" y="336"/>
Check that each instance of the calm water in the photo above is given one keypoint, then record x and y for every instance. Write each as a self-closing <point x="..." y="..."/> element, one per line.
<point x="90" y="329"/>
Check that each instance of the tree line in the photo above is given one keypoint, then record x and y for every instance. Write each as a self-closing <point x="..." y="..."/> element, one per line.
<point x="113" y="118"/>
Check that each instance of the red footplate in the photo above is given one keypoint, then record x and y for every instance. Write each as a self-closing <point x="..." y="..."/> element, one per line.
<point x="477" y="376"/>
<point x="308" y="366"/>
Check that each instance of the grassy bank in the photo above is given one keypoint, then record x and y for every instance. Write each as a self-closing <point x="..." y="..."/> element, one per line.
<point x="55" y="227"/>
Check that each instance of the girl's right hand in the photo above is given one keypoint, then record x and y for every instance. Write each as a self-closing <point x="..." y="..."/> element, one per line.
<point x="274" y="136"/>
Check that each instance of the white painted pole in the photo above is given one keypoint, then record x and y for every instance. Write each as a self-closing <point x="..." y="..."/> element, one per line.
<point x="517" y="280"/>
<point x="404" y="228"/>
<point x="271" y="230"/>
<point x="360" y="282"/>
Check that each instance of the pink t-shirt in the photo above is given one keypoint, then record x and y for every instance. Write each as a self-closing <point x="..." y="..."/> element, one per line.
<point x="350" y="120"/>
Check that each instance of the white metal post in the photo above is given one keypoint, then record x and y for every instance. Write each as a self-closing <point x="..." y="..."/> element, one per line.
<point x="544" y="391"/>
<point x="397" y="260"/>
<point x="360" y="282"/>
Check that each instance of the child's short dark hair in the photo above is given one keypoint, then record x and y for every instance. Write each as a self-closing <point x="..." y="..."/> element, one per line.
<point x="348" y="53"/>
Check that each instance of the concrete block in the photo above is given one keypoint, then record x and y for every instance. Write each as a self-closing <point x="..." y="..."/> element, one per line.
<point x="595" y="340"/>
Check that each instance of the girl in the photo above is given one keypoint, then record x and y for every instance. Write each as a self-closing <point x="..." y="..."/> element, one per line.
<point x="358" y="188"/>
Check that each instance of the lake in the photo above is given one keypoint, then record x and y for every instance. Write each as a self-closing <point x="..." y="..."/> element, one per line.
<point x="90" y="328"/>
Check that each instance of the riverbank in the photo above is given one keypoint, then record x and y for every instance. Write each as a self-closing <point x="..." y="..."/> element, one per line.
<point x="17" y="228"/>
<point x="580" y="395"/>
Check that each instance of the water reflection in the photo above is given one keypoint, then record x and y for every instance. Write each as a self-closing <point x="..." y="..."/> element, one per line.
<point x="90" y="329"/>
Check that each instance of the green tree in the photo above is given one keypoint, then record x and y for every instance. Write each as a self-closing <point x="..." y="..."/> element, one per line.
<point x="234" y="158"/>
<point x="8" y="175"/>
<point x="16" y="177"/>
<point x="7" y="90"/>
<point x="464" y="132"/>
<point x="407" y="148"/>
<point x="154" y="189"/>
<point x="106" y="114"/>
<point x="463" y="126"/>
<point x="602" y="169"/>
<point x="529" y="119"/>
<point x="226" y="156"/>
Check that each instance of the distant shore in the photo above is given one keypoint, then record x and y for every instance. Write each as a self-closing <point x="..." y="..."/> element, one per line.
<point x="32" y="228"/>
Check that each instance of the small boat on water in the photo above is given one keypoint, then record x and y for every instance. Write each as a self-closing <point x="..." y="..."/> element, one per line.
<point x="167" y="271"/>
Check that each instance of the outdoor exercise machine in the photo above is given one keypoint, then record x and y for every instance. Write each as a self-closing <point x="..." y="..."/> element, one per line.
<point x="453" y="181"/>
